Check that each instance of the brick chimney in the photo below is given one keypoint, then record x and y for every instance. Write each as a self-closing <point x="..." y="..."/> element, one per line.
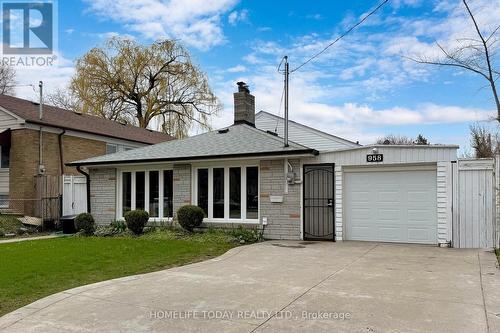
<point x="244" y="105"/>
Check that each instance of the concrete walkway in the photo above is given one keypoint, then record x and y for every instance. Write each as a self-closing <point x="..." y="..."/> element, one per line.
<point x="23" y="239"/>
<point x="288" y="287"/>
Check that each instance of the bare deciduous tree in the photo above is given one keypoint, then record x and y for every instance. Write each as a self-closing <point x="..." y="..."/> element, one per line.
<point x="484" y="143"/>
<point x="392" y="139"/>
<point x="144" y="85"/>
<point x="472" y="54"/>
<point x="7" y="80"/>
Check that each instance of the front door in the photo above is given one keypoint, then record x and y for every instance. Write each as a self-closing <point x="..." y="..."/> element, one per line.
<point x="318" y="202"/>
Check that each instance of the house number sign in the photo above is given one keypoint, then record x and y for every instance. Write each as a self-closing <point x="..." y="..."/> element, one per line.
<point x="374" y="158"/>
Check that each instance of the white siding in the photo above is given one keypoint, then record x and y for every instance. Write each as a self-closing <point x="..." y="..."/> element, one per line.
<point x="4" y="181"/>
<point x="8" y="121"/>
<point x="302" y="134"/>
<point x="392" y="155"/>
<point x="444" y="209"/>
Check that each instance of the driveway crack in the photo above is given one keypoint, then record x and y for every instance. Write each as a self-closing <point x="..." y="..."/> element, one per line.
<point x="314" y="286"/>
<point x="482" y="293"/>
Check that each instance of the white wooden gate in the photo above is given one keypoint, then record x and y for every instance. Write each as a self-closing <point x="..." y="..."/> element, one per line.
<point x="474" y="220"/>
<point x="74" y="195"/>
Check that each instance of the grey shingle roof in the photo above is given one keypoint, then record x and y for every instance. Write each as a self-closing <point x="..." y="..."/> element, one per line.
<point x="239" y="140"/>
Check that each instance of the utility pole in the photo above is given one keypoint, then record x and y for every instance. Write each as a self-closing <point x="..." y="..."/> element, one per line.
<point x="286" y="101"/>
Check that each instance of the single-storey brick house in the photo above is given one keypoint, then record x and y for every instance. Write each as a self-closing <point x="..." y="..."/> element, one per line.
<point x="319" y="186"/>
<point x="38" y="145"/>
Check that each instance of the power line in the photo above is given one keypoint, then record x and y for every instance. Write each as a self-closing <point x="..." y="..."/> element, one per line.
<point x="340" y="37"/>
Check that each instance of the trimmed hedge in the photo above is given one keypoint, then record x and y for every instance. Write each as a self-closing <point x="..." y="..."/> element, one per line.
<point x="136" y="220"/>
<point x="85" y="222"/>
<point x="190" y="217"/>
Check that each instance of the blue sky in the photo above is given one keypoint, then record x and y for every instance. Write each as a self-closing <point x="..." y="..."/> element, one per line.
<point x="361" y="88"/>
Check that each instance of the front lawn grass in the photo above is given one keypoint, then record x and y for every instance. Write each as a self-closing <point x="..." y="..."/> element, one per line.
<point x="31" y="270"/>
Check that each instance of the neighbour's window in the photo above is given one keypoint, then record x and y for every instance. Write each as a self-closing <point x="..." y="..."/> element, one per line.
<point x="168" y="190"/>
<point x="235" y="193"/>
<point x="127" y="192"/>
<point x="203" y="190"/>
<point x="111" y="148"/>
<point x="252" y="192"/>
<point x="5" y="159"/>
<point x="4" y="200"/>
<point x="218" y="193"/>
<point x="154" y="193"/>
<point x="140" y="190"/>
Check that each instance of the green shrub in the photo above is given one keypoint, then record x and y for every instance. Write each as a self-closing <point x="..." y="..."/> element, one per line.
<point x="190" y="217"/>
<point x="246" y="235"/>
<point x="85" y="222"/>
<point x="118" y="226"/>
<point x="136" y="220"/>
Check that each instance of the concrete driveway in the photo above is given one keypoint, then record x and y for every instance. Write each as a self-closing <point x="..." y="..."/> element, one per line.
<point x="288" y="286"/>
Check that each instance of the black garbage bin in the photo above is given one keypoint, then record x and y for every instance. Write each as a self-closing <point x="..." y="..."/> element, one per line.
<point x="68" y="224"/>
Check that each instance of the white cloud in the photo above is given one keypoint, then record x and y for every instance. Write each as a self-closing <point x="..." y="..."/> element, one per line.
<point x="56" y="77"/>
<point x="195" y="22"/>
<point x="238" y="16"/>
<point x="69" y="31"/>
<point x="114" y="34"/>
<point x="237" y="69"/>
<point x="352" y="120"/>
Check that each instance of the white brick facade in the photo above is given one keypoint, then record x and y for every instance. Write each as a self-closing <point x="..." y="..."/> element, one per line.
<point x="103" y="195"/>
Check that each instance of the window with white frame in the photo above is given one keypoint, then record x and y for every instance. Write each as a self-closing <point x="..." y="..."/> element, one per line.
<point x="228" y="192"/>
<point x="150" y="190"/>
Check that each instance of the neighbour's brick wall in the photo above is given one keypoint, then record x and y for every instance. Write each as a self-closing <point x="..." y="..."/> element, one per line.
<point x="283" y="219"/>
<point x="182" y="186"/>
<point x="24" y="161"/>
<point x="103" y="195"/>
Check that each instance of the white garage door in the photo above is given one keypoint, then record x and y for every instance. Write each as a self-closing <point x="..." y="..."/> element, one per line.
<point x="392" y="206"/>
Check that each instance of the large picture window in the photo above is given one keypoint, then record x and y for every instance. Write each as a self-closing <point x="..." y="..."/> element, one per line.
<point x="218" y="193"/>
<point x="235" y="193"/>
<point x="151" y="191"/>
<point x="203" y="190"/>
<point x="168" y="193"/>
<point x="252" y="194"/>
<point x="230" y="192"/>
<point x="154" y="193"/>
<point x="140" y="186"/>
<point x="127" y="192"/>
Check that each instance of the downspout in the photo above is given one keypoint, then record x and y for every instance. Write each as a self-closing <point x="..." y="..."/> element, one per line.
<point x="61" y="157"/>
<point x="61" y="161"/>
<point x="87" y="176"/>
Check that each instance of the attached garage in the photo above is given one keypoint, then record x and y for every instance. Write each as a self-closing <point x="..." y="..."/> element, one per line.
<point x="390" y="193"/>
<point x="391" y="206"/>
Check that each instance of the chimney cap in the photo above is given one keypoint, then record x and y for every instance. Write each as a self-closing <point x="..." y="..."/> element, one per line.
<point x="242" y="87"/>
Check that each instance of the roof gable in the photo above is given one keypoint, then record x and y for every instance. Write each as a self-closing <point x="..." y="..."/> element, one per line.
<point x="302" y="134"/>
<point x="57" y="117"/>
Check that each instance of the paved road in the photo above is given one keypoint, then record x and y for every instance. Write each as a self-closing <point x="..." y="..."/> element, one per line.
<point x="289" y="287"/>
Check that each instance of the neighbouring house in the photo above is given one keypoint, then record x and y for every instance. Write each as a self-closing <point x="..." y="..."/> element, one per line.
<point x="319" y="186"/>
<point x="35" y="147"/>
